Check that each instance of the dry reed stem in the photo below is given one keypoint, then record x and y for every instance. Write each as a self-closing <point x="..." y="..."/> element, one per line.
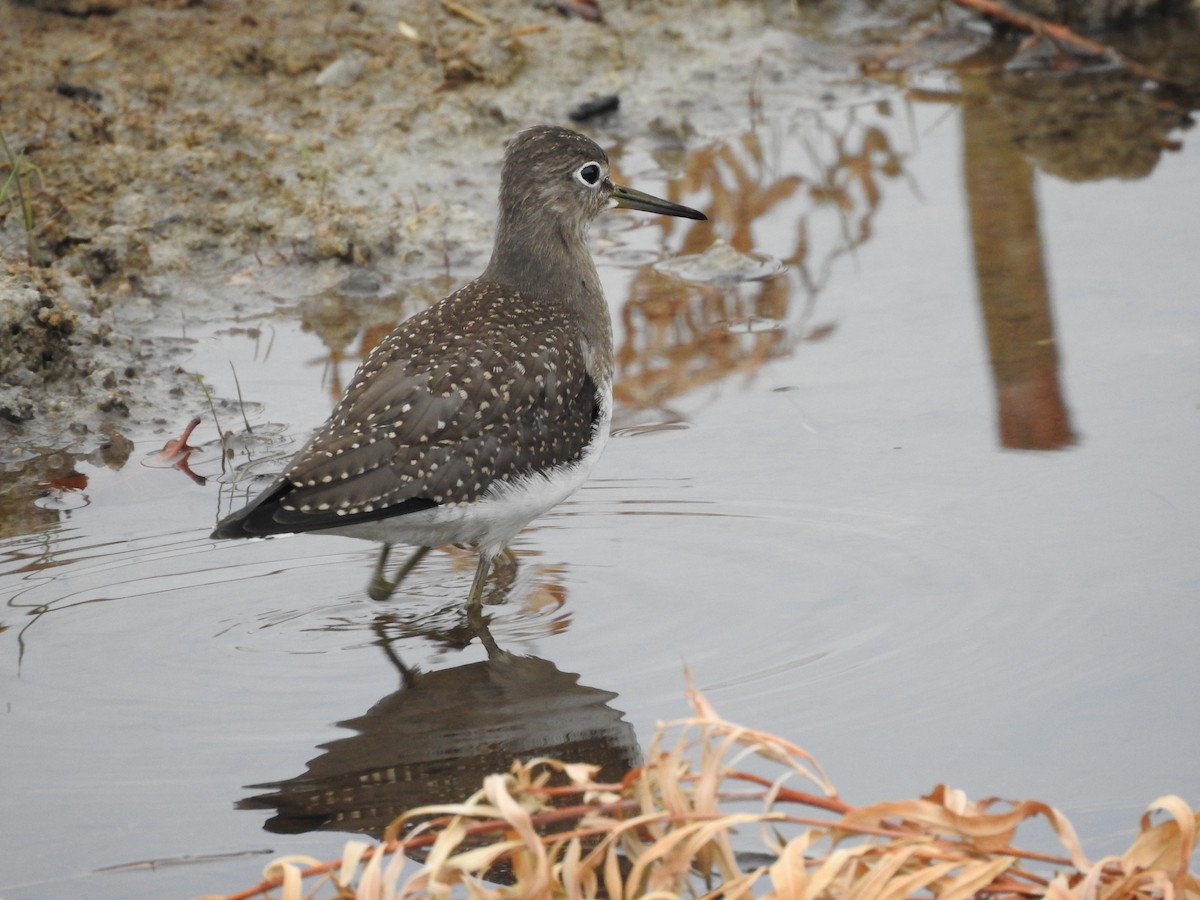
<point x="1063" y="35"/>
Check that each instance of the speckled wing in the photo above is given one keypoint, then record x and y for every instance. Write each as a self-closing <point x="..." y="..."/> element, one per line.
<point x="477" y="389"/>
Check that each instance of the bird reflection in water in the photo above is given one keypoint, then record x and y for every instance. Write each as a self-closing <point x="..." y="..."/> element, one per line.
<point x="434" y="739"/>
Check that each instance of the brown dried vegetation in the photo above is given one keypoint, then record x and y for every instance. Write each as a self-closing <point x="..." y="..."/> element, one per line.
<point x="711" y="814"/>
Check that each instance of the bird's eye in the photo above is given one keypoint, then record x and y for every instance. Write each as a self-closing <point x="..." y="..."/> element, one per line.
<point x="589" y="174"/>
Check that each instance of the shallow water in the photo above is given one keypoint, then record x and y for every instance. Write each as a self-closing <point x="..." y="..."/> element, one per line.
<point x="929" y="538"/>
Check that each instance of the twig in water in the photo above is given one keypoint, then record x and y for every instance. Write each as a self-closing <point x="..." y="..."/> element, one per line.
<point x="241" y="403"/>
<point x="1061" y="34"/>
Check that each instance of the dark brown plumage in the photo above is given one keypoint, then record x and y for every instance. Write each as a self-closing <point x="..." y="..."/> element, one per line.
<point x="502" y="394"/>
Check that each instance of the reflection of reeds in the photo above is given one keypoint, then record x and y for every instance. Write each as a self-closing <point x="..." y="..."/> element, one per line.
<point x="681" y="335"/>
<point x="683" y="825"/>
<point x="678" y="336"/>
<point x="742" y="187"/>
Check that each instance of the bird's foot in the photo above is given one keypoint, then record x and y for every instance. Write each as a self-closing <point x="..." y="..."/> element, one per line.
<point x="381" y="588"/>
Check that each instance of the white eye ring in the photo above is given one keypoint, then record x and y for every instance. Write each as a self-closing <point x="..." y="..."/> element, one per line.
<point x="589" y="174"/>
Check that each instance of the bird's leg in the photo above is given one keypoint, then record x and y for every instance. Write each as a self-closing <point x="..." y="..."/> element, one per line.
<point x="478" y="623"/>
<point x="506" y="557"/>
<point x="504" y="573"/>
<point x="410" y="564"/>
<point x="381" y="588"/>
<point x="475" y="597"/>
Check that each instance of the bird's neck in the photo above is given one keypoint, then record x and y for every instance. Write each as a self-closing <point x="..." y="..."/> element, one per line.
<point x="550" y="260"/>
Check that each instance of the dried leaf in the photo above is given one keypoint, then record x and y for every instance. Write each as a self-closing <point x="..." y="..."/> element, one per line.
<point x="974" y="877"/>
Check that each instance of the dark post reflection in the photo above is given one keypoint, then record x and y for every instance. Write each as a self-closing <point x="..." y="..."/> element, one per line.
<point x="1011" y="275"/>
<point x="1023" y="111"/>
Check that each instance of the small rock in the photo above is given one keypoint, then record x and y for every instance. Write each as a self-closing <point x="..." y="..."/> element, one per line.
<point x="597" y="106"/>
<point x="342" y="72"/>
<point x="360" y="282"/>
<point x="722" y="264"/>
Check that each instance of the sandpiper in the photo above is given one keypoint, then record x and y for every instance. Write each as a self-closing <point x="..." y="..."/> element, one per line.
<point x="489" y="408"/>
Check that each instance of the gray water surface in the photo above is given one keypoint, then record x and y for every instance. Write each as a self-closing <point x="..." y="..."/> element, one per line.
<point x="923" y="514"/>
